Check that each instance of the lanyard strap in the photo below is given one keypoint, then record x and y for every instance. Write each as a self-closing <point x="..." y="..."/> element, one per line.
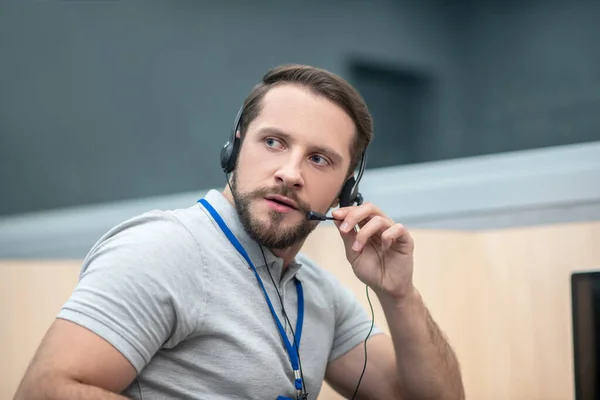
<point x="291" y="348"/>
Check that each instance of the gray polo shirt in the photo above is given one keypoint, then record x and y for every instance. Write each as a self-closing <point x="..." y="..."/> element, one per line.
<point x="171" y="293"/>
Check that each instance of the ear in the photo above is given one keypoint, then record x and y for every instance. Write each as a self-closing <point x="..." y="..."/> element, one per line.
<point x="238" y="134"/>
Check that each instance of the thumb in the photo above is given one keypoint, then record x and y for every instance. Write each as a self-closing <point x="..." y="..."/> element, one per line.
<point x="348" y="237"/>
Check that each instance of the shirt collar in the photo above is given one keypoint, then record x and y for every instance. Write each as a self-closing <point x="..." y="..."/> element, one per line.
<point x="229" y="214"/>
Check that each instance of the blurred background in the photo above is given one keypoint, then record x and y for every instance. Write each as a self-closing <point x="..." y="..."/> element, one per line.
<point x="107" y="102"/>
<point x="487" y="113"/>
<point x="112" y="101"/>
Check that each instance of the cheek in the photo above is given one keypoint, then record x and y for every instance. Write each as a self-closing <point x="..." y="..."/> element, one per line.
<point x="245" y="178"/>
<point x="326" y="192"/>
<point x="246" y="165"/>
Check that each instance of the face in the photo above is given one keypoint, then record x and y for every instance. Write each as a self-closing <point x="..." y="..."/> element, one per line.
<point x="294" y="158"/>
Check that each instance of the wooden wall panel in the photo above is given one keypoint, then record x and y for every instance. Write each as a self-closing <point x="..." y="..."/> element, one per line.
<point x="31" y="294"/>
<point x="502" y="298"/>
<point x="527" y="352"/>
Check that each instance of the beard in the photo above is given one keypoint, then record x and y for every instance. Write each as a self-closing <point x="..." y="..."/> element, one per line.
<point x="271" y="234"/>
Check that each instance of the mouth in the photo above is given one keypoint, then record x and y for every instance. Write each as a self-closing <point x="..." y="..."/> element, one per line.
<point x="281" y="201"/>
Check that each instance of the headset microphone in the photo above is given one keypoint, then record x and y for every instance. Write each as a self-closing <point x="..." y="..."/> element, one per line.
<point x="315" y="216"/>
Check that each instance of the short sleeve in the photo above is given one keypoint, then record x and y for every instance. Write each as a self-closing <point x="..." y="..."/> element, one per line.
<point x="140" y="287"/>
<point x="352" y="323"/>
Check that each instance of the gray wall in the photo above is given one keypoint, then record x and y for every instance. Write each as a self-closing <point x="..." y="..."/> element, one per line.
<point x="104" y="100"/>
<point x="532" y="70"/>
<point x="109" y="100"/>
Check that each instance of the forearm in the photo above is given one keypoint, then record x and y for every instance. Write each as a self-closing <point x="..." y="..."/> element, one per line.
<point x="63" y="389"/>
<point x="427" y="366"/>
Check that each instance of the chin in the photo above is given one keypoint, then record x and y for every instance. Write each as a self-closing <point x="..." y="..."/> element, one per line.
<point x="277" y="230"/>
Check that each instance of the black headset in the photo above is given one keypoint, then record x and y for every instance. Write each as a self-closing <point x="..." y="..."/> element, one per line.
<point x="349" y="195"/>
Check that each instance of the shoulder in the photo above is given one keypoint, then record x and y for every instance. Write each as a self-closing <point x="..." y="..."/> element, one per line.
<point x="154" y="227"/>
<point x="142" y="286"/>
<point x="155" y="238"/>
<point x="152" y="257"/>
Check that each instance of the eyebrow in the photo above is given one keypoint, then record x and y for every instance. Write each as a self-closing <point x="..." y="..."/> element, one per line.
<point x="328" y="151"/>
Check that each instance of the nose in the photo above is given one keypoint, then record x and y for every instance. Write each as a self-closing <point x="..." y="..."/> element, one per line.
<point x="290" y="174"/>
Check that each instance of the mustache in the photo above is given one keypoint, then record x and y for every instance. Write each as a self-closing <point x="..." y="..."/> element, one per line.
<point x="282" y="191"/>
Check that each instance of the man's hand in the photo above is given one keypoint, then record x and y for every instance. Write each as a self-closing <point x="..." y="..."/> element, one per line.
<point x="381" y="252"/>
<point x="381" y="255"/>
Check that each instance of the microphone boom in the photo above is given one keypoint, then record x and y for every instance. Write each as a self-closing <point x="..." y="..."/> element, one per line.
<point x="316" y="216"/>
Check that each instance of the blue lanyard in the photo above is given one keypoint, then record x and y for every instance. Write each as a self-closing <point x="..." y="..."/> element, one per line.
<point x="290" y="347"/>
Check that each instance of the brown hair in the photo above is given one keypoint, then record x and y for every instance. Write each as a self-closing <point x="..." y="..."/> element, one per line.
<point x="323" y="83"/>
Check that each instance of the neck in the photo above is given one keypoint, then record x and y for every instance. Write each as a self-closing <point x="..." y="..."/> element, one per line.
<point x="287" y="254"/>
<point x="228" y="195"/>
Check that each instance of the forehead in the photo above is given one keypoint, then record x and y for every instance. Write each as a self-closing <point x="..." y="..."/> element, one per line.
<point x="307" y="117"/>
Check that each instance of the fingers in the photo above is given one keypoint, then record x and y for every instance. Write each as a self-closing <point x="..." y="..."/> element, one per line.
<point x="347" y="237"/>
<point x="376" y="225"/>
<point x="397" y="233"/>
<point x="355" y="215"/>
<point x="341" y="213"/>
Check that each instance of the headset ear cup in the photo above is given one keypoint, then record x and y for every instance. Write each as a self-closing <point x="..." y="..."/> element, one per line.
<point x="226" y="151"/>
<point x="234" y="154"/>
<point x="229" y="151"/>
<point x="346" y="193"/>
<point x="229" y="154"/>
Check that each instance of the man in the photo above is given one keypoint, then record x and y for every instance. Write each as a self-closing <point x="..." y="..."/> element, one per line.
<point x="214" y="301"/>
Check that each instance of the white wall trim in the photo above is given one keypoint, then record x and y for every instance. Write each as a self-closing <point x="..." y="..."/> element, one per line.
<point x="436" y="194"/>
<point x="487" y="184"/>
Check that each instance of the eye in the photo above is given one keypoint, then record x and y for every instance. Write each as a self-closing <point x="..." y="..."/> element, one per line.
<point x="273" y="143"/>
<point x="318" y="159"/>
